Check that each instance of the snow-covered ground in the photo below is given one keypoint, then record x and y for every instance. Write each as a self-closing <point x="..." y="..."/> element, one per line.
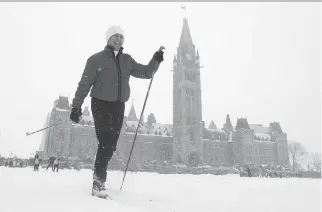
<point x="23" y="190"/>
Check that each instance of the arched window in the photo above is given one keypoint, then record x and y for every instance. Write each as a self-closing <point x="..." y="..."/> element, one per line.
<point x="192" y="136"/>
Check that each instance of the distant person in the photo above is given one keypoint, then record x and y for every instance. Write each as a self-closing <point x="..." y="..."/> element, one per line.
<point x="51" y="163"/>
<point x="56" y="164"/>
<point x="249" y="172"/>
<point x="36" y="162"/>
<point x="6" y="163"/>
<point x="10" y="162"/>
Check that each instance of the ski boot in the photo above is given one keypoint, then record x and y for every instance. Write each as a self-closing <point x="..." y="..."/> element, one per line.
<point x="99" y="189"/>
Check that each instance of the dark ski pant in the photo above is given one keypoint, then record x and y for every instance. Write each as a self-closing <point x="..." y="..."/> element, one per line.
<point x="36" y="167"/>
<point x="108" y="120"/>
<point x="55" y="167"/>
<point x="50" y="165"/>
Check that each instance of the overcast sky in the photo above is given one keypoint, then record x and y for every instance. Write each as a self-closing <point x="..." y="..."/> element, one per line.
<point x="261" y="61"/>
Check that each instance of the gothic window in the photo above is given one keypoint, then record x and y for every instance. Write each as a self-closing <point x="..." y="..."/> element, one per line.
<point x="60" y="135"/>
<point x="192" y="136"/>
<point x="58" y="120"/>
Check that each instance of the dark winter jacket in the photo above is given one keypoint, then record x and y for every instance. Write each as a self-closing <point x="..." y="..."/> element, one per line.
<point x="52" y="159"/>
<point x="108" y="76"/>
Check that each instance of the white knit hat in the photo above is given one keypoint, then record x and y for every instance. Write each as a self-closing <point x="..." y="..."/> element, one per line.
<point x="112" y="31"/>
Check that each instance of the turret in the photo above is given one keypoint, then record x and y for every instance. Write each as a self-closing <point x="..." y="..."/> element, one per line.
<point x="86" y="112"/>
<point x="228" y="126"/>
<point x="132" y="114"/>
<point x="242" y="124"/>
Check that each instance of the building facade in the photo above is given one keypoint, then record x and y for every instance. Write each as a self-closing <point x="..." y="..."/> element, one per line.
<point x="186" y="141"/>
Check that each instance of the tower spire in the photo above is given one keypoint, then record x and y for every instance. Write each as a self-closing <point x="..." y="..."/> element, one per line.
<point x="185" y="11"/>
<point x="185" y="38"/>
<point x="132" y="114"/>
<point x="187" y="114"/>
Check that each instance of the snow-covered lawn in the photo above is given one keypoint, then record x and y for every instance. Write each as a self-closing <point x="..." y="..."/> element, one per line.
<point x="23" y="190"/>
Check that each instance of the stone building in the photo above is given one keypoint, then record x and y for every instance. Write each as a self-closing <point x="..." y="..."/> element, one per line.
<point x="186" y="141"/>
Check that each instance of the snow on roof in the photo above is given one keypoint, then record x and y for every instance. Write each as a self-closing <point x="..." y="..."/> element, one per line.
<point x="258" y="128"/>
<point x="164" y="129"/>
<point x="156" y="127"/>
<point x="88" y="118"/>
<point x="145" y="134"/>
<point x="62" y="110"/>
<point x="131" y="123"/>
<point x="79" y="124"/>
<point x="263" y="135"/>
<point x="213" y="140"/>
<point x="266" y="142"/>
<point x="162" y="126"/>
<point x="216" y="130"/>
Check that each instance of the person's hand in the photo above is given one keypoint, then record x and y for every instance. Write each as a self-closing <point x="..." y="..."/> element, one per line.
<point x="158" y="56"/>
<point x="75" y="114"/>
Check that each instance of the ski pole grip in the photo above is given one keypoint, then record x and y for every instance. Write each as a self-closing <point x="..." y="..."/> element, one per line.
<point x="161" y="48"/>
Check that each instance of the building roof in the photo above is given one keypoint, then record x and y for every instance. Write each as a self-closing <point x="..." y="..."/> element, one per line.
<point x="258" y="128"/>
<point x="216" y="130"/>
<point x="185" y="38"/>
<point x="132" y="114"/>
<point x="163" y="129"/>
<point x="242" y="123"/>
<point x="212" y="125"/>
<point x="275" y="127"/>
<point x="87" y="118"/>
<point x="62" y="103"/>
<point x="228" y="125"/>
<point x="262" y="136"/>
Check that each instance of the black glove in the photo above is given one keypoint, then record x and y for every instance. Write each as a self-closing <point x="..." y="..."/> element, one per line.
<point x="158" y="56"/>
<point x="75" y="114"/>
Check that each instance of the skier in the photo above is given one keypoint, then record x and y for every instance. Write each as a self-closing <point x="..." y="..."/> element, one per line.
<point x="10" y="162"/>
<point x="51" y="163"/>
<point x="107" y="73"/>
<point x="56" y="164"/>
<point x="248" y="171"/>
<point x="36" y="162"/>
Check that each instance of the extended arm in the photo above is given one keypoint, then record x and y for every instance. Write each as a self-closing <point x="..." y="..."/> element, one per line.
<point x="143" y="71"/>
<point x="85" y="84"/>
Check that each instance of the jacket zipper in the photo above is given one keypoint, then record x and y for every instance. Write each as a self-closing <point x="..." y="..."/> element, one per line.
<point x="119" y="76"/>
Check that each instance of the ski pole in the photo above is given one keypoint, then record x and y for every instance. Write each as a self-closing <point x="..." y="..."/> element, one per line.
<point x="30" y="133"/>
<point x="137" y="128"/>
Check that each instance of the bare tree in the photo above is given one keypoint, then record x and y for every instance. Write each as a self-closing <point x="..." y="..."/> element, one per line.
<point x="316" y="161"/>
<point x="297" y="152"/>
